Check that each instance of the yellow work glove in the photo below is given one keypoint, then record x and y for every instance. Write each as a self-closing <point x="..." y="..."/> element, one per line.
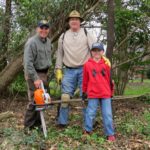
<point x="59" y="76"/>
<point x="107" y="62"/>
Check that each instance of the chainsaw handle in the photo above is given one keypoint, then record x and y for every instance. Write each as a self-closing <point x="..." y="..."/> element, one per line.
<point x="42" y="86"/>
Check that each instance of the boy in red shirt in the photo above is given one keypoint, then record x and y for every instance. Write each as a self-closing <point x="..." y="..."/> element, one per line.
<point x="98" y="86"/>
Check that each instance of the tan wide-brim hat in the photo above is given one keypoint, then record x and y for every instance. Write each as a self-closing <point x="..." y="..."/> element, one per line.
<point x="75" y="14"/>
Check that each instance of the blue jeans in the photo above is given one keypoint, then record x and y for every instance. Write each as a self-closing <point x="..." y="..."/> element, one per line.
<point x="106" y="110"/>
<point x="71" y="80"/>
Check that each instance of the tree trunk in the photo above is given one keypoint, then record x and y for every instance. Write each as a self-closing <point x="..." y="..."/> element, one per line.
<point x="6" y="26"/>
<point x="110" y="29"/>
<point x="8" y="74"/>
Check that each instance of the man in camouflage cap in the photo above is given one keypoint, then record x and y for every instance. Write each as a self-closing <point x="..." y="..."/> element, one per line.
<point x="37" y="60"/>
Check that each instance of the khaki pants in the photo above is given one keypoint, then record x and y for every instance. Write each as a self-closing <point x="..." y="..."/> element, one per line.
<point x="32" y="117"/>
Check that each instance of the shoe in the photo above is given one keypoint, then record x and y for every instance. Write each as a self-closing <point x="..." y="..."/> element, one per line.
<point x="61" y="126"/>
<point x="111" y="138"/>
<point x="86" y="132"/>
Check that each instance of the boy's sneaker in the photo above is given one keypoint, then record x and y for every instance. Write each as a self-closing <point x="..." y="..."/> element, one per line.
<point x="86" y="132"/>
<point x="111" y="138"/>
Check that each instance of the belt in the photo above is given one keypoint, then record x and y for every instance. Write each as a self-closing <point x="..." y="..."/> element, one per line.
<point x="74" y="67"/>
<point x="42" y="70"/>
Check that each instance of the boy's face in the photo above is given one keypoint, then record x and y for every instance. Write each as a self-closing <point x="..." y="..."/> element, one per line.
<point x="96" y="53"/>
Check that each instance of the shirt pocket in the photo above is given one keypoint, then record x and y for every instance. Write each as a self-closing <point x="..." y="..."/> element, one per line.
<point x="41" y="53"/>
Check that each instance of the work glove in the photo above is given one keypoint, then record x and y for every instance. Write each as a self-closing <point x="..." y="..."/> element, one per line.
<point x="84" y="96"/>
<point x="59" y="76"/>
<point x="84" y="104"/>
<point x="107" y="62"/>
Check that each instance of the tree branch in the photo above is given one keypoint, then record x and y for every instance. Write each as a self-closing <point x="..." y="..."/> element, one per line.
<point x="130" y="60"/>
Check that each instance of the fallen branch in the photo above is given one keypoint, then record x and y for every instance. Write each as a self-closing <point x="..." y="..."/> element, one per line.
<point x="6" y="115"/>
<point x="80" y="100"/>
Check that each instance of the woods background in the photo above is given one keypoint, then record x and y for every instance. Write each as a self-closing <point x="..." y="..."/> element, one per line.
<point x="126" y="22"/>
<point x="124" y="27"/>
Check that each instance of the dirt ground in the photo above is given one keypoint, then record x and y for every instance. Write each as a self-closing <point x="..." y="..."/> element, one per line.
<point x="130" y="136"/>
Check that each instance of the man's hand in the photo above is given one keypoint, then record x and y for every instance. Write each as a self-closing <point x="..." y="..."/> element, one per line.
<point x="37" y="83"/>
<point x="59" y="76"/>
<point x="107" y="62"/>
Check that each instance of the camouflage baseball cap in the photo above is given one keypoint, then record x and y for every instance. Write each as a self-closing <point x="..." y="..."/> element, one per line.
<point x="43" y="23"/>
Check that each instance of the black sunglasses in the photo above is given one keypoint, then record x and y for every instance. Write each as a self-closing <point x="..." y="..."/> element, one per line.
<point x="43" y="27"/>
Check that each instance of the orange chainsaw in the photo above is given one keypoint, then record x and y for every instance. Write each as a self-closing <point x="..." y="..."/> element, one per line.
<point x="41" y="97"/>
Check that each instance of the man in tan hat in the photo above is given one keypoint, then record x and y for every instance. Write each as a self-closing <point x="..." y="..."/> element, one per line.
<point x="73" y="51"/>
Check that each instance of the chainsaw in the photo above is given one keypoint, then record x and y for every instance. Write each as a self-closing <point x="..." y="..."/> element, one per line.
<point x="41" y="97"/>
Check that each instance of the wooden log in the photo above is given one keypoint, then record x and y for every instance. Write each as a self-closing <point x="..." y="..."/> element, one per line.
<point x="80" y="100"/>
<point x="6" y="115"/>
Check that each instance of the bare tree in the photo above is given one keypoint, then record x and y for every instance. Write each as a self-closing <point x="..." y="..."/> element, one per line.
<point x="6" y="26"/>
<point x="110" y="29"/>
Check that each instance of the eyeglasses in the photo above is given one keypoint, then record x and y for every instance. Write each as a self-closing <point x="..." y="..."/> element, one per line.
<point x="44" y="28"/>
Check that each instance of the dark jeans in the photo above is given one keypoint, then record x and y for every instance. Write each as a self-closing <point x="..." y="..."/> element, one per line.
<point x="32" y="117"/>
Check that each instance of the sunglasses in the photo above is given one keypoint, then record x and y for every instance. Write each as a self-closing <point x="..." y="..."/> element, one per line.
<point x="44" y="28"/>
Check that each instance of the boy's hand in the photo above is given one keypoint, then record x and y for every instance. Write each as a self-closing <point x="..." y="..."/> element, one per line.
<point x="107" y="62"/>
<point x="84" y="96"/>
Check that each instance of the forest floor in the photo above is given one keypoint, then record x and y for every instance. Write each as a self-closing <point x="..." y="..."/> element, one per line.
<point x="131" y="121"/>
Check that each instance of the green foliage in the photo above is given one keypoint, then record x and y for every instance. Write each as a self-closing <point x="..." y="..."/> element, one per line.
<point x="137" y="88"/>
<point x="96" y="138"/>
<point x="74" y="117"/>
<point x="55" y="89"/>
<point x="19" y="84"/>
<point x="74" y="132"/>
<point x="8" y="132"/>
<point x="131" y="125"/>
<point x="32" y="139"/>
<point x="131" y="30"/>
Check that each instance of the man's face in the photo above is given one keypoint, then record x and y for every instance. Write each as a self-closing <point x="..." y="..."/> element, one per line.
<point x="96" y="53"/>
<point x="43" y="31"/>
<point x="74" y="23"/>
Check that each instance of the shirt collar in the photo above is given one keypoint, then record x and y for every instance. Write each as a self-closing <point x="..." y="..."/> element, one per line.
<point x="43" y="40"/>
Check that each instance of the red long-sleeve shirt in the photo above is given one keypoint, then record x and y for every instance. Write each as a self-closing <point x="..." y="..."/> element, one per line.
<point x="97" y="81"/>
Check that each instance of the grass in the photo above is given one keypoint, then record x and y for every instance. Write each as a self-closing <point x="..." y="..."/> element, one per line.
<point x="129" y="124"/>
<point x="71" y="137"/>
<point x="137" y="88"/>
<point x="132" y="125"/>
